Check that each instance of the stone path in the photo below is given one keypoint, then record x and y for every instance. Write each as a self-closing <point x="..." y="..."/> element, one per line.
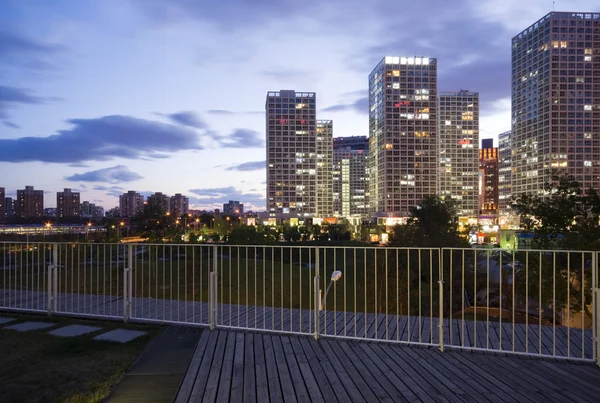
<point x="116" y="335"/>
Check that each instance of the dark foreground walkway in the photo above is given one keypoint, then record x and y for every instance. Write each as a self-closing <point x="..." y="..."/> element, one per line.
<point x="231" y="366"/>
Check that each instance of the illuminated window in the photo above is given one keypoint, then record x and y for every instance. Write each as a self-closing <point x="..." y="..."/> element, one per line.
<point x="448" y="122"/>
<point x="396" y="73"/>
<point x="555" y="44"/>
<point x="563" y="44"/>
<point x="424" y="110"/>
<point x="587" y="58"/>
<point x="587" y="163"/>
<point x="587" y="107"/>
<point x="389" y="146"/>
<point x="395" y="85"/>
<point x="300" y="106"/>
<point x="587" y="51"/>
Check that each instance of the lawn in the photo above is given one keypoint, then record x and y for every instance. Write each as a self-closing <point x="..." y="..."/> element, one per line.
<point x="38" y="367"/>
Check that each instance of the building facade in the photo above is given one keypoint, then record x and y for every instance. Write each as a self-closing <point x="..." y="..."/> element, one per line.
<point x="291" y="160"/>
<point x="158" y="204"/>
<point x="131" y="204"/>
<point x="67" y="204"/>
<point x="402" y="134"/>
<point x="90" y="210"/>
<point x="458" y="150"/>
<point x="350" y="176"/>
<point x="9" y="205"/>
<point x="488" y="189"/>
<point x="179" y="205"/>
<point x="30" y="203"/>
<point x="233" y="207"/>
<point x="556" y="102"/>
<point x="324" y="168"/>
<point x="504" y="172"/>
<point x="2" y="204"/>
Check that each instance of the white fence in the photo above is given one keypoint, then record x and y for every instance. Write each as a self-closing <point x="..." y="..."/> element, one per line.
<point x="533" y="302"/>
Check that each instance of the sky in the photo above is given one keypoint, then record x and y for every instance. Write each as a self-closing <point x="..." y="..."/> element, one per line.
<point x="168" y="95"/>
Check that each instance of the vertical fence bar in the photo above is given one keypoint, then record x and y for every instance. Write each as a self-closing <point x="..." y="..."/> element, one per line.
<point x="595" y="313"/>
<point x="441" y="300"/>
<point x="317" y="292"/>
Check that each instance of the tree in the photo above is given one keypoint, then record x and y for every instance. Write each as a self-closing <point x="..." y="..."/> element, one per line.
<point x="432" y="224"/>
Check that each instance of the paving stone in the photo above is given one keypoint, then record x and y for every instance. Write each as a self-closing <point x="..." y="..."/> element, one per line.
<point x="120" y="335"/>
<point x="6" y="320"/>
<point x="26" y="326"/>
<point x="73" y="330"/>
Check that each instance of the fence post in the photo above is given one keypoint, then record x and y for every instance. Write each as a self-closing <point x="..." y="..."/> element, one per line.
<point x="127" y="285"/>
<point x="441" y="296"/>
<point x="52" y="281"/>
<point x="317" y="298"/>
<point x="212" y="290"/>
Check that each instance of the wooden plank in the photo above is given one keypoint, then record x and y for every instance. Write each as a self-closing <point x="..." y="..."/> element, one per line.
<point x="237" y="380"/>
<point x="301" y="390"/>
<point x="262" y="383"/>
<point x="185" y="389"/>
<point x="249" y="374"/>
<point x="327" y="379"/>
<point x="203" y="371"/>
<point x="306" y="371"/>
<point x="275" y="393"/>
<point x="219" y="386"/>
<point x="285" y="377"/>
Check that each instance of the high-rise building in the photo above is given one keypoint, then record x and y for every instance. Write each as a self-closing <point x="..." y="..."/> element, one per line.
<point x="233" y="208"/>
<point x="90" y="210"/>
<point x="2" y="204"/>
<point x="504" y="172"/>
<point x="30" y="203"/>
<point x="556" y="102"/>
<point x="402" y="134"/>
<point x="130" y="204"/>
<point x="9" y="205"/>
<point x="179" y="205"/>
<point x="158" y="204"/>
<point x="324" y="168"/>
<point x="67" y="204"/>
<point x="291" y="125"/>
<point x="458" y="150"/>
<point x="350" y="176"/>
<point x="488" y="189"/>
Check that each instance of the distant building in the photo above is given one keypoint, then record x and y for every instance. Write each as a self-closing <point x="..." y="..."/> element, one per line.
<point x="131" y="204"/>
<point x="2" y="204"/>
<point x="9" y="205"/>
<point x="556" y="102"/>
<point x="458" y="150"/>
<point x="233" y="208"/>
<point x="179" y="205"/>
<point x="67" y="204"/>
<point x="350" y="176"/>
<point x="504" y="172"/>
<point x="403" y="126"/>
<point x="113" y="212"/>
<point x="50" y="212"/>
<point x="158" y="204"/>
<point x="30" y="203"/>
<point x="90" y="210"/>
<point x="324" y="176"/>
<point x="488" y="165"/>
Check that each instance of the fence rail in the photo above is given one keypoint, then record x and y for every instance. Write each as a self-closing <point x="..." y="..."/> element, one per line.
<point x="531" y="302"/>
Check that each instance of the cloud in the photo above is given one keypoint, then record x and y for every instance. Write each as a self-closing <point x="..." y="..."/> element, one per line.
<point x="10" y="97"/>
<point x="361" y="105"/>
<point x="228" y="112"/>
<point x="102" y="139"/>
<point x="11" y="124"/>
<point x="214" y="197"/>
<point x="78" y="165"/>
<point x="116" y="174"/>
<point x="248" y="166"/>
<point x="114" y="191"/>
<point x="22" y="52"/>
<point x="189" y="119"/>
<point x="239" y="138"/>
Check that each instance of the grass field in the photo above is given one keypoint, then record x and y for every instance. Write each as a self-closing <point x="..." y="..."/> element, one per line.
<point x="38" y="367"/>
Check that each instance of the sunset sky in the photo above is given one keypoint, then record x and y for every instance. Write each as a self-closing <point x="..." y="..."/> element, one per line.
<point x="152" y="95"/>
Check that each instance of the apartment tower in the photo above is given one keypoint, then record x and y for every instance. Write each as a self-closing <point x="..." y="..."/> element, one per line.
<point x="504" y="172"/>
<point x="2" y="204"/>
<point x="556" y="102"/>
<point x="350" y="176"/>
<point x="402" y="134"/>
<point x="30" y="203"/>
<point x="291" y="128"/>
<point x="67" y="204"/>
<point x="131" y="204"/>
<point x="458" y="151"/>
<point x="488" y="165"/>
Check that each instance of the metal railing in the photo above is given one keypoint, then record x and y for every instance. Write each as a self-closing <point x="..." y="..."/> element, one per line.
<point x="531" y="302"/>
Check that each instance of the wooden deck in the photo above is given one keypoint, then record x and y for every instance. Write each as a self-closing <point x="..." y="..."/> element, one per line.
<point x="530" y="339"/>
<point x="235" y="366"/>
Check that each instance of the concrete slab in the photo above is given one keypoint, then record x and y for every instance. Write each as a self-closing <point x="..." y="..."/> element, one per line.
<point x="6" y="320"/>
<point x="27" y="326"/>
<point x="120" y="335"/>
<point x="73" y="330"/>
